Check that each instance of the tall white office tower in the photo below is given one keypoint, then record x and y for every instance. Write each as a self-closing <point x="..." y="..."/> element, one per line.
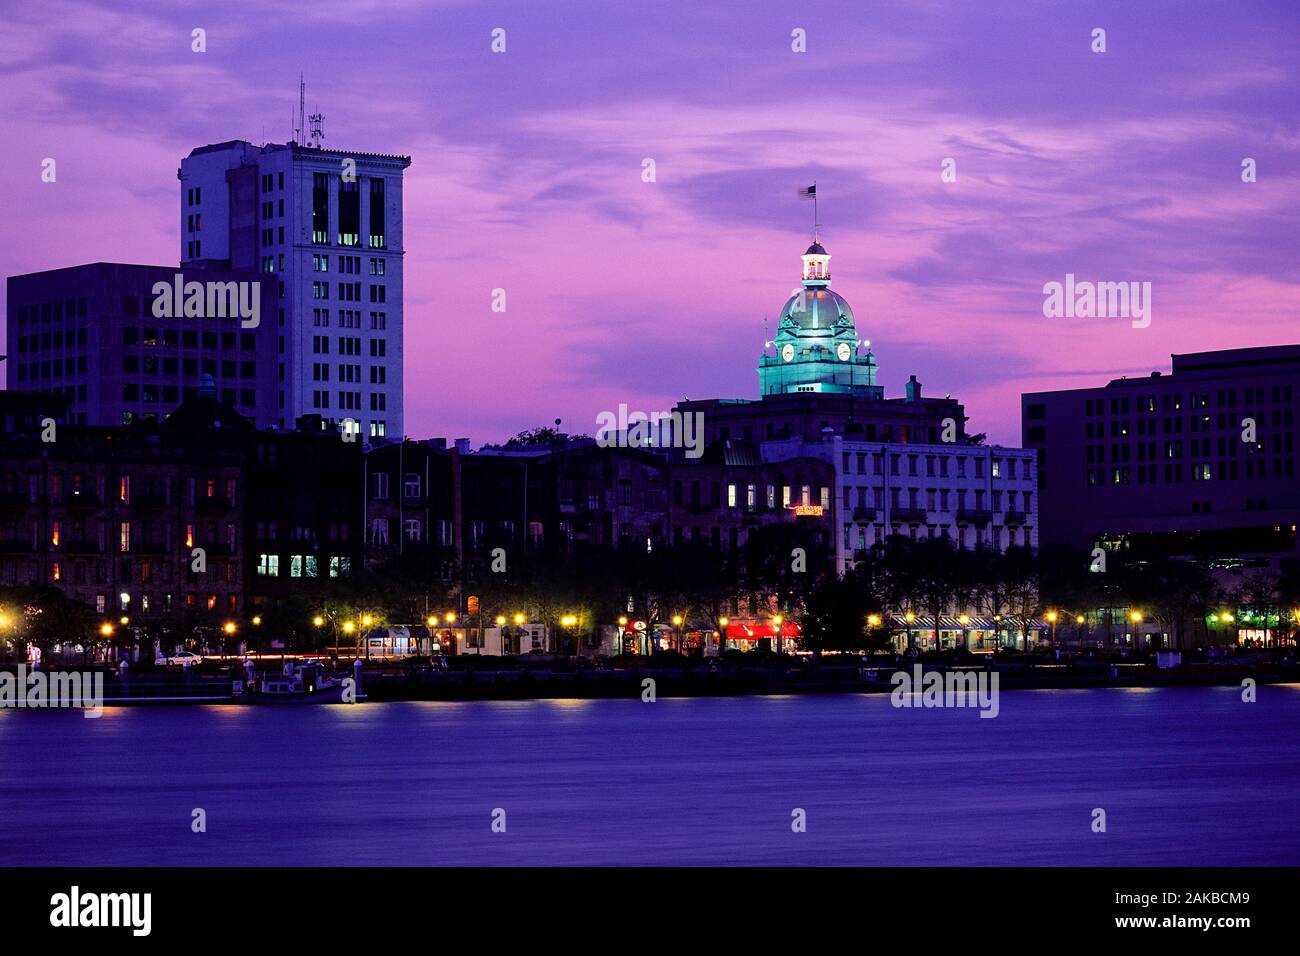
<point x="328" y="224"/>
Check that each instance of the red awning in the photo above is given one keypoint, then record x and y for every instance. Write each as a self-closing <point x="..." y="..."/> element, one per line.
<point x="756" y="632"/>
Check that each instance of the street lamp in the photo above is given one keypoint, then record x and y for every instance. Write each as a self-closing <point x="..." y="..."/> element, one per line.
<point x="450" y="617"/>
<point x="909" y="617"/>
<point x="1051" y="619"/>
<point x="318" y="621"/>
<point x="229" y="627"/>
<point x="257" y="620"/>
<point x="519" y="633"/>
<point x="722" y="633"/>
<point x="964" y="619"/>
<point x="106" y="629"/>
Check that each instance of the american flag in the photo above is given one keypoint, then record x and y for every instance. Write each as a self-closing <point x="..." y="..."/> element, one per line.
<point x="809" y="192"/>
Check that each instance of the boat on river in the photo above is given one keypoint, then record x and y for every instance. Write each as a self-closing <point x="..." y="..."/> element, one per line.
<point x="301" y="683"/>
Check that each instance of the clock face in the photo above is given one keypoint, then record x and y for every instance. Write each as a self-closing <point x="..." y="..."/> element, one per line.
<point x="787" y="353"/>
<point x="844" y="351"/>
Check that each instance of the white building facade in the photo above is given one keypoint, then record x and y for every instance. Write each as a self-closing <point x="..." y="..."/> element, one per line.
<point x="974" y="495"/>
<point x="328" y="224"/>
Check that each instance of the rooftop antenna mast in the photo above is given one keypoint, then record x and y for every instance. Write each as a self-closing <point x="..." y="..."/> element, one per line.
<point x="816" y="221"/>
<point x="302" y="110"/>
<point x="316" y="129"/>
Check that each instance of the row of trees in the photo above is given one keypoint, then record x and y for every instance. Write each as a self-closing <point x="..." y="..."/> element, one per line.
<point x="781" y="570"/>
<point x="1195" y="601"/>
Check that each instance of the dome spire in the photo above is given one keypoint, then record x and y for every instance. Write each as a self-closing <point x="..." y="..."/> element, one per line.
<point x="816" y="261"/>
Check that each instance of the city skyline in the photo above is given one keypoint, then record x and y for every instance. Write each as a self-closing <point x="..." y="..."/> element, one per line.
<point x="527" y="176"/>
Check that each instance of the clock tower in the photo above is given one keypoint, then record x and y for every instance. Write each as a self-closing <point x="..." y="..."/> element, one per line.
<point x="817" y="348"/>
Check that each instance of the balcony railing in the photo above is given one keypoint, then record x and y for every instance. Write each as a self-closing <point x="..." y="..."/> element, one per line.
<point x="1014" y="517"/>
<point x="978" y="516"/>
<point x="864" y="514"/>
<point x="907" y="515"/>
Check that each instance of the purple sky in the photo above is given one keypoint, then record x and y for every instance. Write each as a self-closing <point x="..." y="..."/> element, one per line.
<point x="526" y="175"/>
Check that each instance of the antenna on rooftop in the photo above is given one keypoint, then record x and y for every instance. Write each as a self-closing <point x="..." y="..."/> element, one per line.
<point x="317" y="129"/>
<point x="302" y="110"/>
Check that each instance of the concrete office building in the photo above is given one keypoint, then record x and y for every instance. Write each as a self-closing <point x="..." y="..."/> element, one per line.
<point x="976" y="496"/>
<point x="327" y="224"/>
<point x="1198" y="462"/>
<point x="92" y="334"/>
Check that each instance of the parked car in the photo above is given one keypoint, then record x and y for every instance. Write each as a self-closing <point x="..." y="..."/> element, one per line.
<point x="183" y="657"/>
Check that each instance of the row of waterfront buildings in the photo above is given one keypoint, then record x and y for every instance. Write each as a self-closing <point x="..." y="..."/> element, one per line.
<point x="268" y="431"/>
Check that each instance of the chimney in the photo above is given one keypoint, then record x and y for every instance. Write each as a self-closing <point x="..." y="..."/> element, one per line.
<point x="913" y="390"/>
<point x="462" y="446"/>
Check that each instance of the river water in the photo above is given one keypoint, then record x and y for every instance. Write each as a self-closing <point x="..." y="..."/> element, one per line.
<point x="1185" y="776"/>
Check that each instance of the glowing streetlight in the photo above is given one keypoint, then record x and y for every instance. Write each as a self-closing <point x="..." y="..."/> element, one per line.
<point x="348" y="627"/>
<point x="367" y="620"/>
<point x="1226" y="618"/>
<point x="229" y="627"/>
<point x="777" y="620"/>
<point x="318" y="621"/>
<point x="873" y="620"/>
<point x="1078" y="619"/>
<point x="1051" y="616"/>
<point x="519" y="619"/>
<point x="909" y="617"/>
<point x="1136" y="617"/>
<point x="724" y="621"/>
<point x="501" y="620"/>
<point x="622" y="622"/>
<point x="677" y="620"/>
<point x="106" y="629"/>
<point x="431" y="620"/>
<point x="125" y="620"/>
<point x="450" y="617"/>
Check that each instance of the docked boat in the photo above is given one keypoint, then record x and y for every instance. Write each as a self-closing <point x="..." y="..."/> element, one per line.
<point x="301" y="683"/>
